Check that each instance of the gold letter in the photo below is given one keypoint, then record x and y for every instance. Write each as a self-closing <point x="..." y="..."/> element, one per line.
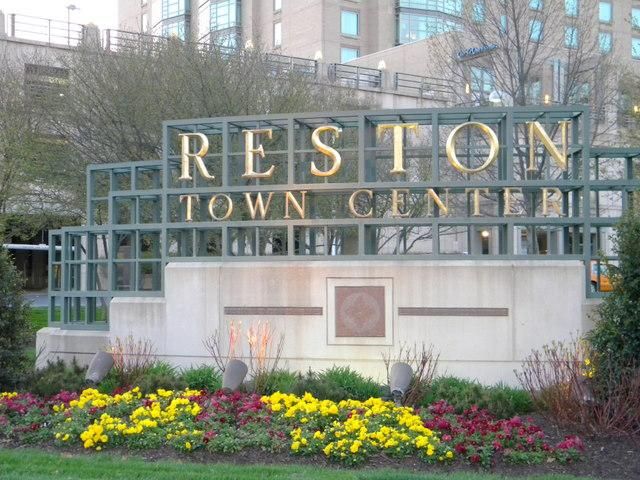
<point x="398" y="166"/>
<point x="494" y="145"/>
<point x="326" y="150"/>
<point x="288" y="197"/>
<point x="555" y="204"/>
<point x="189" y="204"/>
<point x="197" y="157"/>
<point x="536" y="130"/>
<point x="431" y="196"/>
<point x="398" y="202"/>
<point x="352" y="206"/>
<point x="476" y="199"/>
<point x="259" y="204"/>
<point x="250" y="151"/>
<point x="229" y="206"/>
<point x="507" y="200"/>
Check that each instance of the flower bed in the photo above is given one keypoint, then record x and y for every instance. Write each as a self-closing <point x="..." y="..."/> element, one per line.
<point x="349" y="431"/>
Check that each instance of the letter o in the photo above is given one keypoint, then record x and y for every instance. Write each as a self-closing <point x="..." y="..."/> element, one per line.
<point x="493" y="143"/>
<point x="229" y="206"/>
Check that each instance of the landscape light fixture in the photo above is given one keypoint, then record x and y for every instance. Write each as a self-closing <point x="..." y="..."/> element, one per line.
<point x="233" y="375"/>
<point x="70" y="7"/>
<point x="399" y="379"/>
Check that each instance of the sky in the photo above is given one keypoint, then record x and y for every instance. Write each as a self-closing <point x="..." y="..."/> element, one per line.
<point x="103" y="13"/>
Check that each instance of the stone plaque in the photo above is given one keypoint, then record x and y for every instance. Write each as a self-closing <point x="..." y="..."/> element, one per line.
<point x="360" y="311"/>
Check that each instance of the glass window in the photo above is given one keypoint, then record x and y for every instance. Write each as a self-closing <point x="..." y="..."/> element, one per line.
<point x="535" y="30"/>
<point x="173" y="8"/>
<point x="535" y="4"/>
<point x="451" y="7"/>
<point x="347" y="54"/>
<point x="635" y="17"/>
<point x="277" y="34"/>
<point x="606" y="42"/>
<point x="534" y="92"/>
<point x="580" y="94"/>
<point x="349" y="23"/>
<point x="503" y="23"/>
<point x="571" y="37"/>
<point x="481" y="80"/>
<point x="224" y="14"/>
<point x="174" y="29"/>
<point x="478" y="11"/>
<point x="635" y="48"/>
<point x="277" y="5"/>
<point x="571" y="8"/>
<point x="145" y="22"/>
<point x="606" y="12"/>
<point x="416" y="26"/>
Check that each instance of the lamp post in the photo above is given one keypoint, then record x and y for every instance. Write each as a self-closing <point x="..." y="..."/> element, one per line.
<point x="70" y="7"/>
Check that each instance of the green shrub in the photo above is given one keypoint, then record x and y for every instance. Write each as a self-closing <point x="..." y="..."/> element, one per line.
<point x="505" y="402"/>
<point x="109" y="384"/>
<point x="202" y="378"/>
<point x="501" y="400"/>
<point x="616" y="336"/>
<point x="276" y="381"/>
<point x="160" y="375"/>
<point x="338" y="383"/>
<point x="56" y="377"/>
<point x="15" y="330"/>
<point x="460" y="393"/>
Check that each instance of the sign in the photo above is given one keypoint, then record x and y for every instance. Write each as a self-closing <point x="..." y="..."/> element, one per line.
<point x="475" y="52"/>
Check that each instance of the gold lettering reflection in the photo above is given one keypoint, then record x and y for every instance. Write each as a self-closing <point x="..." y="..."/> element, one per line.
<point x="258" y="205"/>
<point x="398" y="139"/>
<point x="492" y="138"/>
<point x="189" y="199"/>
<point x="508" y="197"/>
<point x="432" y="197"/>
<point x="555" y="204"/>
<point x="536" y="130"/>
<point x="288" y="197"/>
<point x="185" y="154"/>
<point x="212" y="204"/>
<point x="326" y="150"/>
<point x="250" y="152"/>
<point x="398" y="202"/>
<point x="476" y="199"/>
<point x="352" y="200"/>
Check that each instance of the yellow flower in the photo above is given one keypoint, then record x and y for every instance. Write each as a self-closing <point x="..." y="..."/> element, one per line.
<point x="295" y="446"/>
<point x="187" y="445"/>
<point x="66" y="437"/>
<point x="355" y="446"/>
<point x="449" y="454"/>
<point x="587" y="362"/>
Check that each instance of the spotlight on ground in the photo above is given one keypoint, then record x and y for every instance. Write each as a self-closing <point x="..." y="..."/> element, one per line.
<point x="233" y="375"/>
<point x="100" y="365"/>
<point x="399" y="380"/>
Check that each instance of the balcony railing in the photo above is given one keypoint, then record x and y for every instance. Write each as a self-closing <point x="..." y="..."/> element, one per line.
<point x="45" y="30"/>
<point x="299" y="65"/>
<point x="422" y="86"/>
<point x="355" y="77"/>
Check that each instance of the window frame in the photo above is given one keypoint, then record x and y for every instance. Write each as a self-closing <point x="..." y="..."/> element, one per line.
<point x="602" y="35"/>
<point x="277" y="6"/>
<point x="354" y="49"/>
<point x="575" y="11"/>
<point x="575" y="37"/>
<point x="610" y="4"/>
<point x="540" y="36"/>
<point x="344" y="11"/>
<point x="637" y="55"/>
<point x="277" y="34"/>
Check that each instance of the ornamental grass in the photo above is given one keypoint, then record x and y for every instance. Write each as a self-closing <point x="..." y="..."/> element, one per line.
<point x="348" y="431"/>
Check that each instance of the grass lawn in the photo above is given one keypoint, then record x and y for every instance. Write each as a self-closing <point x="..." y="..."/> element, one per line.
<point x="39" y="317"/>
<point x="32" y="465"/>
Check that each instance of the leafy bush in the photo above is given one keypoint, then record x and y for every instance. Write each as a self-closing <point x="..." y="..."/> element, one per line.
<point x="276" y="381"/>
<point x="616" y="336"/>
<point x="15" y="329"/>
<point x="57" y="377"/>
<point x="505" y="402"/>
<point x="160" y="375"/>
<point x="338" y="383"/>
<point x="202" y="378"/>
<point x="501" y="400"/>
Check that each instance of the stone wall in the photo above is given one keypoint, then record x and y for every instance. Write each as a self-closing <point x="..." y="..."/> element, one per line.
<point x="482" y="317"/>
